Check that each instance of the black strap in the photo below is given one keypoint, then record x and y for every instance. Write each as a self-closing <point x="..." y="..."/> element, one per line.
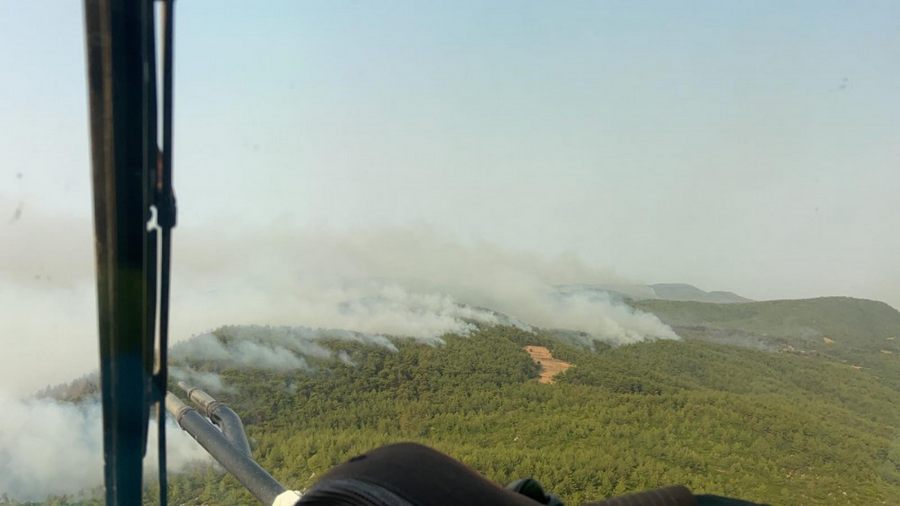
<point x="166" y="218"/>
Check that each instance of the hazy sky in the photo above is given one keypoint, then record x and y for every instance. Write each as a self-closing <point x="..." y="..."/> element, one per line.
<point x="747" y="146"/>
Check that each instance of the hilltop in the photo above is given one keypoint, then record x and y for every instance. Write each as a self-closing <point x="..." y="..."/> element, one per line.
<point x="858" y="332"/>
<point x="659" y="291"/>
<point x="864" y="323"/>
<point x="683" y="291"/>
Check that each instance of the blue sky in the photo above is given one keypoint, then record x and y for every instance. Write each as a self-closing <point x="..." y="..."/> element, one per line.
<point x="748" y="146"/>
<point x="706" y="142"/>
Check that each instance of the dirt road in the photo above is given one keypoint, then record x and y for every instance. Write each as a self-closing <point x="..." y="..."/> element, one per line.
<point x="550" y="366"/>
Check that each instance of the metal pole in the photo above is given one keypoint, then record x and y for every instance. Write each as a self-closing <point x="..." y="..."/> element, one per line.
<point x="260" y="483"/>
<point x="166" y="219"/>
<point x="116" y="63"/>
<point x="222" y="416"/>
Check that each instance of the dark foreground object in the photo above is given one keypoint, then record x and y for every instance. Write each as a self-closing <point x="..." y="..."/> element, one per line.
<point x="409" y="474"/>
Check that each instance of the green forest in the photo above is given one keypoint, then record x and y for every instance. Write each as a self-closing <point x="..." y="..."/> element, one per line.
<point x="799" y="427"/>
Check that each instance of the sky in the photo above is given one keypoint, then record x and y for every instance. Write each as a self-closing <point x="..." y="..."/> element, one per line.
<point x="744" y="146"/>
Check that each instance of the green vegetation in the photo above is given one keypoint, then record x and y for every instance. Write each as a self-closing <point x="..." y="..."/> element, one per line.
<point x="860" y="333"/>
<point x="779" y="428"/>
<point x="852" y="325"/>
<point x="804" y="427"/>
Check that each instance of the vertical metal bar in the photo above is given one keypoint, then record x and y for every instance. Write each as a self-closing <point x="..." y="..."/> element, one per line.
<point x="168" y="23"/>
<point x="151" y="160"/>
<point x="96" y="16"/>
<point x="166" y="216"/>
<point x="115" y="78"/>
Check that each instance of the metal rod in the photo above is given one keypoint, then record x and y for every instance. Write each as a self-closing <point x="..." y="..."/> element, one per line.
<point x="260" y="483"/>
<point x="222" y="416"/>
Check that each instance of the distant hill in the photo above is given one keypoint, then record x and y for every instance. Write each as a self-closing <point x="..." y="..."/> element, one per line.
<point x="858" y="331"/>
<point x="848" y="322"/>
<point x="685" y="292"/>
<point x="660" y="291"/>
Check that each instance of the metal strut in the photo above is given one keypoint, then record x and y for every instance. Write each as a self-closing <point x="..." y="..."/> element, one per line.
<point x="227" y="444"/>
<point x="132" y="176"/>
<point x="134" y="213"/>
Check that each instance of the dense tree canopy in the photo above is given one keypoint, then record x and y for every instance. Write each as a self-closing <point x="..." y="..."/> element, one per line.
<point x="771" y="427"/>
<point x="779" y="428"/>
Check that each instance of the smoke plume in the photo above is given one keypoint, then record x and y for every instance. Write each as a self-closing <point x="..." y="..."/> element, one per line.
<point x="401" y="282"/>
<point x="409" y="282"/>
<point x="50" y="448"/>
<point x="259" y="347"/>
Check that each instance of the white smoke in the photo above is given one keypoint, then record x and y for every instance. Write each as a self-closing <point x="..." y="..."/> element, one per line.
<point x="602" y="317"/>
<point x="204" y="380"/>
<point x="260" y="347"/>
<point x="238" y="353"/>
<point x="399" y="282"/>
<point x="52" y="448"/>
<point x="405" y="282"/>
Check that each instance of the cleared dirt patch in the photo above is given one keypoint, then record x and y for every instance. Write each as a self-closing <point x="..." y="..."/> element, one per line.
<point x="550" y="366"/>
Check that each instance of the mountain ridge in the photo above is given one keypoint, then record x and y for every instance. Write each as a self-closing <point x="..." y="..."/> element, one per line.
<point x="664" y="291"/>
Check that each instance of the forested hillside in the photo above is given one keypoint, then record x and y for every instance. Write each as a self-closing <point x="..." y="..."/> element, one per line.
<point x="848" y="324"/>
<point x="779" y="428"/>
<point x="768" y="426"/>
<point x="861" y="333"/>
